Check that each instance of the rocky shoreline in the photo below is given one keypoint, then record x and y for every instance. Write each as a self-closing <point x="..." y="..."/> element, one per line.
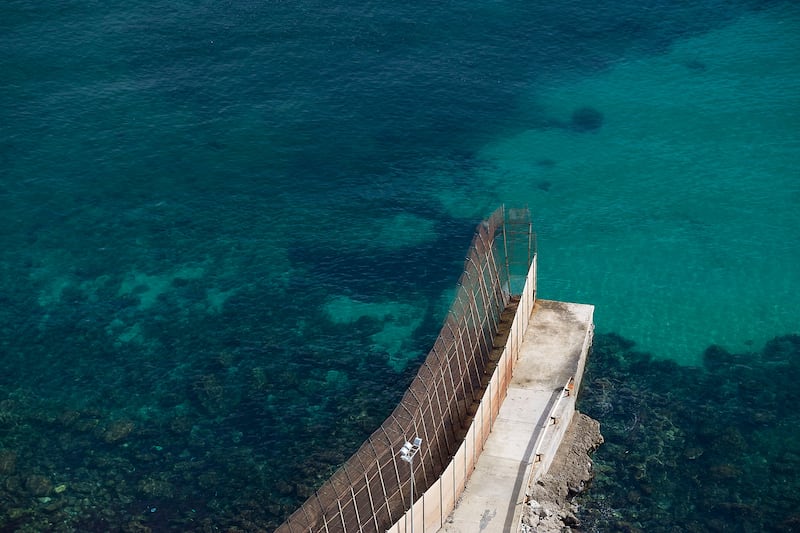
<point x="549" y="507"/>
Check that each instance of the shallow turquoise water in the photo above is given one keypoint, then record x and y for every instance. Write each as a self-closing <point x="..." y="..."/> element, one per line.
<point x="679" y="216"/>
<point x="230" y="231"/>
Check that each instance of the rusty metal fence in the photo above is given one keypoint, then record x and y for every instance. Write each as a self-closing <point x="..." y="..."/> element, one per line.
<point x="371" y="491"/>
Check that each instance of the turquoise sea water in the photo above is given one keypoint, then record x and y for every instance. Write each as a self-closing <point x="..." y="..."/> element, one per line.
<point x="229" y="231"/>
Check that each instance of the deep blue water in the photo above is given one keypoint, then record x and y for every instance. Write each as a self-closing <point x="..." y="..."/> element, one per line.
<point x="229" y="230"/>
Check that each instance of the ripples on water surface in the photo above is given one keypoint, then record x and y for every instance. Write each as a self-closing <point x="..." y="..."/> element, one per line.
<point x="229" y="232"/>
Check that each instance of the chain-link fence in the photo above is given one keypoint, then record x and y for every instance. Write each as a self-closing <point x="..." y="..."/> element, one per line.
<point x="371" y="491"/>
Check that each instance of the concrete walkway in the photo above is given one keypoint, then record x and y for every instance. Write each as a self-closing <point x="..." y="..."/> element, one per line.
<point x="553" y="351"/>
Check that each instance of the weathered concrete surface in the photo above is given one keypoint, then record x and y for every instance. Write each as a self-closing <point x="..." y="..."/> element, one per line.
<point x="554" y="350"/>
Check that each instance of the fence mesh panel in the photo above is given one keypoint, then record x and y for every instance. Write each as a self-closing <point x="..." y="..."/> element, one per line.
<point x="372" y="489"/>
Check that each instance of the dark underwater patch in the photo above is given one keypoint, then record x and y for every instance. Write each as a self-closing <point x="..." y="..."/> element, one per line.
<point x="715" y="448"/>
<point x="695" y="65"/>
<point x="586" y="119"/>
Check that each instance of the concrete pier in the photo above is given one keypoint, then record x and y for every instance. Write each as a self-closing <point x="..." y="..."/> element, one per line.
<point x="490" y="403"/>
<point x="532" y="419"/>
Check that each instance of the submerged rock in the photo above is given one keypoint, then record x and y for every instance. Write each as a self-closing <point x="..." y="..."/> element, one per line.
<point x="156" y="488"/>
<point x="8" y="461"/>
<point x="38" y="485"/>
<point x="118" y="430"/>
